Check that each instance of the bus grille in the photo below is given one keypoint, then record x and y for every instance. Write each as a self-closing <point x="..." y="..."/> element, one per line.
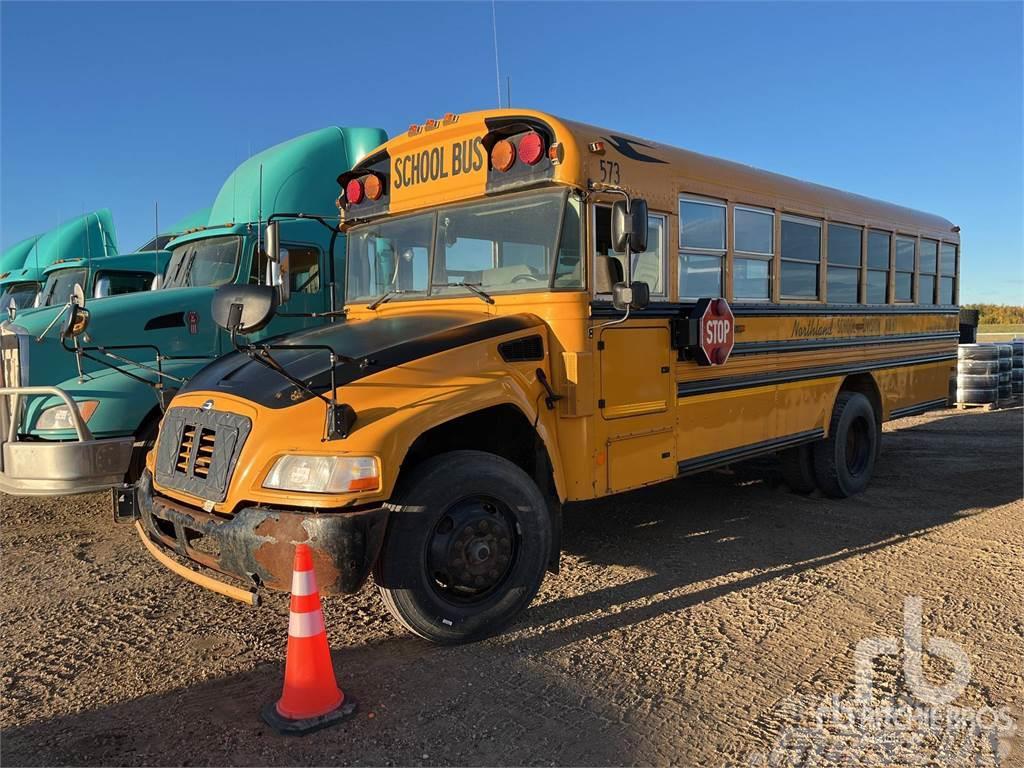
<point x="198" y="449"/>
<point x="197" y="440"/>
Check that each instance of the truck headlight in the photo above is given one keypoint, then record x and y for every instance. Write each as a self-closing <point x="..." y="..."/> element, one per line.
<point x="324" y="474"/>
<point x="59" y="416"/>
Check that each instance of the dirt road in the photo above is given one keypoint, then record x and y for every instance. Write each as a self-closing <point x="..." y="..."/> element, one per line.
<point x="691" y="624"/>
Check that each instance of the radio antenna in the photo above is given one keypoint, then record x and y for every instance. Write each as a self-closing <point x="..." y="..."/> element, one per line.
<point x="156" y="236"/>
<point x="259" y="222"/>
<point x="508" y="91"/>
<point x="85" y="228"/>
<point x="497" y="68"/>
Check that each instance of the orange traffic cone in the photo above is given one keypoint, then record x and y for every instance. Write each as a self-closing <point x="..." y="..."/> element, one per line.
<point x="311" y="698"/>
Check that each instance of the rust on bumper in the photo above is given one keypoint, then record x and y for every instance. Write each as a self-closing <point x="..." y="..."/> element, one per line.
<point x="257" y="544"/>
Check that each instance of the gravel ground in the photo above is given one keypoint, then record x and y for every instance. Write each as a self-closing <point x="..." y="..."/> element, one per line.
<point x="696" y="622"/>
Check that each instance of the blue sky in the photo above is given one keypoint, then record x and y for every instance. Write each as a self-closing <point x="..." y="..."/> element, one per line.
<point x="117" y="105"/>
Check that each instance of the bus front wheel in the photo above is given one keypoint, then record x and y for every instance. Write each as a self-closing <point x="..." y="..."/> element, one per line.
<point x="466" y="547"/>
<point x="845" y="460"/>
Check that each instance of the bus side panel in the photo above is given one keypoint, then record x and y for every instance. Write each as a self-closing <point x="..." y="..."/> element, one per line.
<point x="720" y="421"/>
<point x="910" y="386"/>
<point x="802" y="406"/>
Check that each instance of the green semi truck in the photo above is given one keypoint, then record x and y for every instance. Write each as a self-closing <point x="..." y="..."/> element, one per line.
<point x="37" y="279"/>
<point x="80" y="416"/>
<point x="89" y="236"/>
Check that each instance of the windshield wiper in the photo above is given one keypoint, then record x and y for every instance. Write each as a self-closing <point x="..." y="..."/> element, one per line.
<point x="173" y="281"/>
<point x="388" y="296"/>
<point x="472" y="287"/>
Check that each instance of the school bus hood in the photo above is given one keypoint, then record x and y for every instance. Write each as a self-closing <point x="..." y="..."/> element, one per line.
<point x="372" y="345"/>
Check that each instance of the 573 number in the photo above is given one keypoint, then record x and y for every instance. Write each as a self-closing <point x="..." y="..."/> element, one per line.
<point x="609" y="172"/>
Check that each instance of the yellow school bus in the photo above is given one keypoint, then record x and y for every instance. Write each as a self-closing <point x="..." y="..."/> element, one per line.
<point x="542" y="312"/>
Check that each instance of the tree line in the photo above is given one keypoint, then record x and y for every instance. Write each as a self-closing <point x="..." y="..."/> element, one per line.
<point x="998" y="314"/>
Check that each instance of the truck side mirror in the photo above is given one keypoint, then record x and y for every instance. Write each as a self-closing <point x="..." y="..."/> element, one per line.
<point x="102" y="288"/>
<point x="636" y="295"/>
<point x="243" y="309"/>
<point x="158" y="283"/>
<point x="630" y="229"/>
<point x="76" y="322"/>
<point x="272" y="240"/>
<point x="277" y="263"/>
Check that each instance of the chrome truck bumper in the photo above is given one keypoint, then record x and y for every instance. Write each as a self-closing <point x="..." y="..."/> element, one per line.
<point x="56" y="468"/>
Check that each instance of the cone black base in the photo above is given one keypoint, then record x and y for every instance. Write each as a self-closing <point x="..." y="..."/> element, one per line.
<point x="288" y="727"/>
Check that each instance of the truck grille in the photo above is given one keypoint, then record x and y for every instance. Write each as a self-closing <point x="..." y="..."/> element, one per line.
<point x="198" y="449"/>
<point x="13" y="350"/>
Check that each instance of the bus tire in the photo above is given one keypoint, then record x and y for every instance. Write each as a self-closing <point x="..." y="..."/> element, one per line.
<point x="798" y="468"/>
<point x="844" y="461"/>
<point x="466" y="548"/>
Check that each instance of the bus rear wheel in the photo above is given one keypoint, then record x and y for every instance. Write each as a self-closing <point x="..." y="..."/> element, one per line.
<point x="466" y="548"/>
<point x="845" y="460"/>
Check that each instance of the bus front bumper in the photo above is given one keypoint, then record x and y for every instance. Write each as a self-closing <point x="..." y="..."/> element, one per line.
<point x="256" y="545"/>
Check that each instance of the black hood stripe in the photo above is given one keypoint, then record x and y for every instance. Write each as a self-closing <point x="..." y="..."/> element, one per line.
<point x="241" y="377"/>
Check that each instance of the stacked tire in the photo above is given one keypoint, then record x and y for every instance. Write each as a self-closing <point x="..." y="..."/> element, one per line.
<point x="977" y="374"/>
<point x="1005" y="372"/>
<point x="1017" y="369"/>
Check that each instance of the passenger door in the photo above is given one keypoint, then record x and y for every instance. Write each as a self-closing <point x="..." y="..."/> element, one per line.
<point x="637" y="385"/>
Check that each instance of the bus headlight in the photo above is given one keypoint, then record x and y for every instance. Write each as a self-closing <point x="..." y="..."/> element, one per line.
<point x="59" y="416"/>
<point x="324" y="474"/>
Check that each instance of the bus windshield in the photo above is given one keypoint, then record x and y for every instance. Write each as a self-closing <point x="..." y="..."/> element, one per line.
<point x="514" y="244"/>
<point x="22" y="294"/>
<point x="203" y="262"/>
<point x="59" y="284"/>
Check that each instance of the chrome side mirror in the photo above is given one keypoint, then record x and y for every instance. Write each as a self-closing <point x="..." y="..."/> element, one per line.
<point x="102" y="288"/>
<point x="630" y="229"/>
<point x="157" y="284"/>
<point x="636" y="295"/>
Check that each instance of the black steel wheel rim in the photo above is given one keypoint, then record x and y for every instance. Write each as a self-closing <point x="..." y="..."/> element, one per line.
<point x="858" y="446"/>
<point x="472" y="549"/>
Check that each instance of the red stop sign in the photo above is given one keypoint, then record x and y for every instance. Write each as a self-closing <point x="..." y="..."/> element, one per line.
<point x="717" y="328"/>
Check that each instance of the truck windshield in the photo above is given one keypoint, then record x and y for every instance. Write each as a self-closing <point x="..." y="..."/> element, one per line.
<point x="23" y="295"/>
<point x="59" y="284"/>
<point x="212" y="261"/>
<point x="514" y="244"/>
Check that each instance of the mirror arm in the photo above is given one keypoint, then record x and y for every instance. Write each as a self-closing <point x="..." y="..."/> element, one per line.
<point x="610" y="323"/>
<point x="53" y="322"/>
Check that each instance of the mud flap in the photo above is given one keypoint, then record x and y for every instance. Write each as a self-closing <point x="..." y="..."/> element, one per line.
<point x="124" y="502"/>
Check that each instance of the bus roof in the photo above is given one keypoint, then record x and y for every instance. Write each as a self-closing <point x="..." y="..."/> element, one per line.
<point x="660" y="173"/>
<point x="298" y="176"/>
